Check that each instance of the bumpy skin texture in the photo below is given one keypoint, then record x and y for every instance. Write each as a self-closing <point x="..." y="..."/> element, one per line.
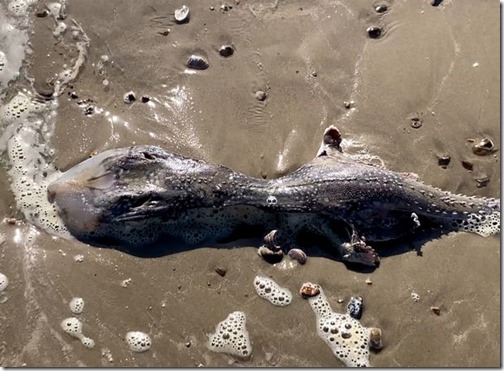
<point x="141" y="194"/>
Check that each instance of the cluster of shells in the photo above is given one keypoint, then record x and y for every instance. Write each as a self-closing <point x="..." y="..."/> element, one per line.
<point x="271" y="250"/>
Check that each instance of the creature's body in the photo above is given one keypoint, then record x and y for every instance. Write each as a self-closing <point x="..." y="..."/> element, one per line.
<point x="142" y="194"/>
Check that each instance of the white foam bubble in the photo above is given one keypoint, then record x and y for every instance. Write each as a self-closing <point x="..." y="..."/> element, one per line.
<point x="76" y="305"/>
<point x="268" y="289"/>
<point x="138" y="341"/>
<point x="4" y="282"/>
<point x="347" y="338"/>
<point x="231" y="336"/>
<point x="88" y="342"/>
<point x="72" y="326"/>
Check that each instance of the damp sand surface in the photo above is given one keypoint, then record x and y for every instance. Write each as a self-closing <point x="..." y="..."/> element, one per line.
<point x="437" y="65"/>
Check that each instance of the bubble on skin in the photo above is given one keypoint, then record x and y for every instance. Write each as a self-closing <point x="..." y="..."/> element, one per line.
<point x="268" y="289"/>
<point x="231" y="336"/>
<point x="4" y="282"/>
<point x="138" y="341"/>
<point x="76" y="305"/>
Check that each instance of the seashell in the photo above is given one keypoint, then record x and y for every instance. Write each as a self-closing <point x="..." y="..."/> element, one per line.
<point x="271" y="240"/>
<point x="375" y="339"/>
<point x="354" y="307"/>
<point x="298" y="255"/>
<point x="226" y="50"/>
<point x="197" y="62"/>
<point x="269" y="255"/>
<point x="182" y="14"/>
<point x="484" y="147"/>
<point x="309" y="290"/>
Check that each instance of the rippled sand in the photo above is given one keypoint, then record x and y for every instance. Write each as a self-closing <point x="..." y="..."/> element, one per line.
<point x="438" y="64"/>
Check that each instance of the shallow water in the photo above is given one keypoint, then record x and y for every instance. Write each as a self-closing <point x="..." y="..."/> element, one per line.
<point x="309" y="59"/>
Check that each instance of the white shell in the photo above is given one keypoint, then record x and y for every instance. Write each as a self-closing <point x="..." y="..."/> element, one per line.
<point x="182" y="14"/>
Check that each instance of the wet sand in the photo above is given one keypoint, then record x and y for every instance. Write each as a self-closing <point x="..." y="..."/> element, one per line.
<point x="438" y="64"/>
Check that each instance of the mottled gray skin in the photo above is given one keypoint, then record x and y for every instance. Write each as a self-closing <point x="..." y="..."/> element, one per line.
<point x="142" y="194"/>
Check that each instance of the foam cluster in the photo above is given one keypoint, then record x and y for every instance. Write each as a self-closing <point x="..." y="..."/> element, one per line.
<point x="73" y="327"/>
<point x="76" y="305"/>
<point x="231" y="336"/>
<point x="138" y="341"/>
<point x="268" y="289"/>
<point x="347" y="338"/>
<point x="4" y="282"/>
<point x="483" y="224"/>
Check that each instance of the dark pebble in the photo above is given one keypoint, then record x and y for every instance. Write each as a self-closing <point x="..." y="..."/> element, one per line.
<point x="443" y="160"/>
<point x="260" y="95"/>
<point x="145" y="99"/>
<point x="468" y="165"/>
<point x="416" y="123"/>
<point x="221" y="271"/>
<point x="381" y="8"/>
<point x="482" y="181"/>
<point x="226" y="51"/>
<point x="374" y="32"/>
<point x="42" y="13"/>
<point x="73" y="95"/>
<point x="436" y="2"/>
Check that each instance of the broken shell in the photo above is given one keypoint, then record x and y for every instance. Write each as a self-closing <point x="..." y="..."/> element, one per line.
<point x="182" y="14"/>
<point x="298" y="255"/>
<point x="269" y="255"/>
<point x="375" y="338"/>
<point x="309" y="290"/>
<point x="436" y="310"/>
<point x="271" y="240"/>
<point x="354" y="307"/>
<point x="197" y="62"/>
<point x="484" y="147"/>
<point x="226" y="51"/>
<point x="129" y="97"/>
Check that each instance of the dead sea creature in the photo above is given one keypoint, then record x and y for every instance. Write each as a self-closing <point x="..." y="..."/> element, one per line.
<point x="197" y="62"/>
<point x="182" y="14"/>
<point x="140" y="195"/>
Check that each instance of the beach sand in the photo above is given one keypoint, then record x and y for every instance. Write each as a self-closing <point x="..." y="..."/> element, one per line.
<point x="438" y="64"/>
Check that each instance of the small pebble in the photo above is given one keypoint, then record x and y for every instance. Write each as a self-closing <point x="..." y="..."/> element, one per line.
<point x="482" y="180"/>
<point x="436" y="310"/>
<point x="468" y="165"/>
<point x="443" y="160"/>
<point x="374" y="32"/>
<point x="126" y="282"/>
<point x="349" y="105"/>
<point x="129" y="97"/>
<point x="381" y="8"/>
<point x="74" y="95"/>
<point x="226" y="51"/>
<point x="145" y="99"/>
<point x="42" y="13"/>
<point x="165" y="32"/>
<point x="484" y="147"/>
<point x="188" y="344"/>
<point x="260" y="95"/>
<point x="436" y="2"/>
<point x="221" y="271"/>
<point x="416" y="122"/>
<point x="415" y="297"/>
<point x="368" y="281"/>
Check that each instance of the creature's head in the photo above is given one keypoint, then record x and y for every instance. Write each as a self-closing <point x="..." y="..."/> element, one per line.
<point x="118" y="186"/>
